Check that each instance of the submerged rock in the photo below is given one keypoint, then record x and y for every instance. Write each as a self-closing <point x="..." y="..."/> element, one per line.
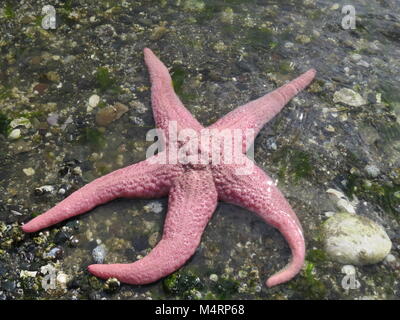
<point x="107" y="115"/>
<point x="356" y="240"/>
<point x="349" y="97"/>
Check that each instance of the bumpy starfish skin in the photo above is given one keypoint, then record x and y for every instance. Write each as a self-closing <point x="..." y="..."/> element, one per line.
<point x="193" y="189"/>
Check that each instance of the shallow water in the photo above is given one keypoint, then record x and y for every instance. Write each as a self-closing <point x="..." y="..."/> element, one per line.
<point x="221" y="54"/>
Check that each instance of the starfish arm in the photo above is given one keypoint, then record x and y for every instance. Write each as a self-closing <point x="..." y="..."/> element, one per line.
<point x="143" y="179"/>
<point x="257" y="192"/>
<point x="192" y="201"/>
<point x="255" y="114"/>
<point x="166" y="104"/>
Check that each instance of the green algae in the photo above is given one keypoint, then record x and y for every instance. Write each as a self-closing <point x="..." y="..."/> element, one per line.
<point x="187" y="285"/>
<point x="307" y="285"/>
<point x="224" y="288"/>
<point x="9" y="12"/>
<point x="316" y="256"/>
<point x="182" y="283"/>
<point x="67" y="6"/>
<point x="92" y="137"/>
<point x="294" y="163"/>
<point x="11" y="237"/>
<point x="31" y="286"/>
<point x="30" y="115"/>
<point x="38" y="21"/>
<point x="383" y="194"/>
<point x="178" y="75"/>
<point x="4" y="124"/>
<point x="259" y="36"/>
<point x="5" y="93"/>
<point x="285" y="67"/>
<point x="104" y="80"/>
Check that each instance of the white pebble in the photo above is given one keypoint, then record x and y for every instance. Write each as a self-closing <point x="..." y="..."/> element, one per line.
<point x="94" y="100"/>
<point x="29" y="171"/>
<point x="213" y="277"/>
<point x="15" y="134"/>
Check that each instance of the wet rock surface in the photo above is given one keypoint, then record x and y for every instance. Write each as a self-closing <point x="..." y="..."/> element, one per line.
<point x="220" y="54"/>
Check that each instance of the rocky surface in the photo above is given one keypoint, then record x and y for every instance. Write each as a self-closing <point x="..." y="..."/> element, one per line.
<point x="221" y="54"/>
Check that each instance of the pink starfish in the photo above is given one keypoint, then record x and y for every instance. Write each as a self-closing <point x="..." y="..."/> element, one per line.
<point x="193" y="189"/>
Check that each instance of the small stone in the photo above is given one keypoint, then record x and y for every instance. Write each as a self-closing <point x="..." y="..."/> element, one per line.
<point x="330" y="128"/>
<point x="372" y="170"/>
<point x="242" y="274"/>
<point x="15" y="134"/>
<point x="53" y="76"/>
<point x="138" y="106"/>
<point x="47" y="189"/>
<point x="29" y="171"/>
<point x="55" y="253"/>
<point x="158" y="32"/>
<point x="390" y="258"/>
<point x="303" y="39"/>
<point x="213" y="277"/>
<point x="36" y="60"/>
<point x="356" y="57"/>
<point x="27" y="274"/>
<point x="21" y="122"/>
<point x="343" y="202"/>
<point x="62" y="279"/>
<point x="154" y="206"/>
<point x="111" y="113"/>
<point x="363" y="63"/>
<point x="356" y="240"/>
<point x="40" y="88"/>
<point x="94" y="101"/>
<point x="52" y="119"/>
<point x="329" y="214"/>
<point x="153" y="239"/>
<point x="335" y="6"/>
<point x="227" y="15"/>
<point x="288" y="45"/>
<point x="346" y="205"/>
<point x="348" y="97"/>
<point x="77" y="171"/>
<point x="220" y="46"/>
<point x="99" y="253"/>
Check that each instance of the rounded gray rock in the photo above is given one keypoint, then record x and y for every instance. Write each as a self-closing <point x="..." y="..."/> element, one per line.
<point x="349" y="97"/>
<point x="356" y="240"/>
